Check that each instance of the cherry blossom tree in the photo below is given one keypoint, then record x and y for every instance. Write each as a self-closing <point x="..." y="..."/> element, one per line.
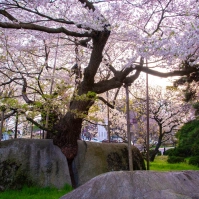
<point x="167" y="110"/>
<point x="107" y="42"/>
<point x="169" y="114"/>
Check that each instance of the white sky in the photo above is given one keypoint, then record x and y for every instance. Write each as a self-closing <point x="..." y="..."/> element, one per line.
<point x="158" y="81"/>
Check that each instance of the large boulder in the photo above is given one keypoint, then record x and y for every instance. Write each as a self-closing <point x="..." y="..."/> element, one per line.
<point x="33" y="162"/>
<point x="39" y="162"/>
<point x="96" y="158"/>
<point x="139" y="185"/>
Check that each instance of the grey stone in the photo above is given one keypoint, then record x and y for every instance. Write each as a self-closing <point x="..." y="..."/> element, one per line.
<point x="139" y="185"/>
<point x="96" y="158"/>
<point x="32" y="161"/>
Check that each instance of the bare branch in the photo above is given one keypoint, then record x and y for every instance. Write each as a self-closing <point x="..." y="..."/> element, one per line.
<point x="106" y="102"/>
<point x="9" y="16"/>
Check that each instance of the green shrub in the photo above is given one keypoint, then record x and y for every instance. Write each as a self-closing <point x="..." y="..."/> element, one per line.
<point x="188" y="134"/>
<point x="170" y="152"/>
<point x="195" y="149"/>
<point x="188" y="144"/>
<point x="194" y="160"/>
<point x="183" y="151"/>
<point x="175" y="159"/>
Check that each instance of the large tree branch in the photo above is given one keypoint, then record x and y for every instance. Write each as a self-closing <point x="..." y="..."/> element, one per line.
<point x="59" y="20"/>
<point x="168" y="74"/>
<point x="99" y="41"/>
<point x="106" y="85"/>
<point x="119" y="79"/>
<point x="115" y="82"/>
<point x="132" y="78"/>
<point x="43" y="29"/>
<point x="9" y="16"/>
<point x="122" y="76"/>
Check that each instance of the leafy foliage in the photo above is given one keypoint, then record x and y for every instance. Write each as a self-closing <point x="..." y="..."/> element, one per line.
<point x="175" y="159"/>
<point x="170" y="152"/>
<point x="194" y="160"/>
<point x="196" y="107"/>
<point x="188" y="137"/>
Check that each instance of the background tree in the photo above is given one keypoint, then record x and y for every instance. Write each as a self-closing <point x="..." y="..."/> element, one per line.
<point x="168" y="111"/>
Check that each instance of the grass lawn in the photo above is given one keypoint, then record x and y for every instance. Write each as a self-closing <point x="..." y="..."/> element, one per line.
<point x="160" y="164"/>
<point x="35" y="193"/>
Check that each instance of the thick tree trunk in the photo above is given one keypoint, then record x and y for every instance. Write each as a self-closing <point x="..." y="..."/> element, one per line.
<point x="68" y="129"/>
<point x="67" y="132"/>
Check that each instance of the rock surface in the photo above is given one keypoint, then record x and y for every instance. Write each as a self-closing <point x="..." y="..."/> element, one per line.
<point x="32" y="161"/>
<point x="139" y="185"/>
<point x="96" y="158"/>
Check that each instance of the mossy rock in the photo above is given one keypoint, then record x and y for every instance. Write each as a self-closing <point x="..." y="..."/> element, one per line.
<point x="32" y="162"/>
<point x="12" y="175"/>
<point x="96" y="158"/>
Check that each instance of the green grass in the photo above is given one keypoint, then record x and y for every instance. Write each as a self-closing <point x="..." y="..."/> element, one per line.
<point x="35" y="193"/>
<point x="160" y="164"/>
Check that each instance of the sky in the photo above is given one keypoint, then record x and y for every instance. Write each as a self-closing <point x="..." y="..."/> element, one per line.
<point x="158" y="81"/>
